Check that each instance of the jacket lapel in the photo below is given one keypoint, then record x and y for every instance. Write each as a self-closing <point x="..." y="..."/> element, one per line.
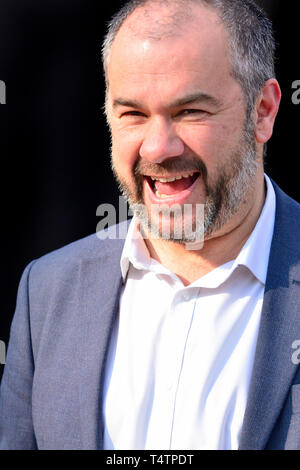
<point x="100" y="284"/>
<point x="273" y="368"/>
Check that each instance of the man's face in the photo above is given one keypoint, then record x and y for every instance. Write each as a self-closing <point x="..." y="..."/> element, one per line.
<point x="177" y="114"/>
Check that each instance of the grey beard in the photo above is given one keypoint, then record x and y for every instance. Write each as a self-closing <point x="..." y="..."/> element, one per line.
<point x="222" y="201"/>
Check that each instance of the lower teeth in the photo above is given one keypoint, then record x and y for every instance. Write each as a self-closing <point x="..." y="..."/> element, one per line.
<point x="158" y="194"/>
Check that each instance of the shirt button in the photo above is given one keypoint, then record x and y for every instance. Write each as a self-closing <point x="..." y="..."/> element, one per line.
<point x="186" y="296"/>
<point x="169" y="386"/>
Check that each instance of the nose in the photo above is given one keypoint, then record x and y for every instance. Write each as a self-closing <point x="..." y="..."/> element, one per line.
<point x="160" y="142"/>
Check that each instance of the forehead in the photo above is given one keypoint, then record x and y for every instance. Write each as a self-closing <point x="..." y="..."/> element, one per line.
<point x="153" y="51"/>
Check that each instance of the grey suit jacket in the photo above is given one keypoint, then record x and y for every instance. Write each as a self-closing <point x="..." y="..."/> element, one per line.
<point x="51" y="392"/>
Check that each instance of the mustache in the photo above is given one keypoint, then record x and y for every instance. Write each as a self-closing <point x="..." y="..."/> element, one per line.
<point x="170" y="166"/>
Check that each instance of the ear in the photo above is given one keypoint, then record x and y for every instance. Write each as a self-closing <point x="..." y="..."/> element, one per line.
<point x="266" y="110"/>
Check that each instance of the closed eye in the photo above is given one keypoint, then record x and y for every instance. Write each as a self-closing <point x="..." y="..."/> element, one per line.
<point x="191" y="115"/>
<point x="191" y="111"/>
<point x="132" y="113"/>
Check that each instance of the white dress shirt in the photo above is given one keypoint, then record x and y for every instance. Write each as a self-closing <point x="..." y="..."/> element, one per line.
<point x="181" y="357"/>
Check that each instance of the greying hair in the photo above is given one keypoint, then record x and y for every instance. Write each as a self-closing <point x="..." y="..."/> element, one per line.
<point x="251" y="40"/>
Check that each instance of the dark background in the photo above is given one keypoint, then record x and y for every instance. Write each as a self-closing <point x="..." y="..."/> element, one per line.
<point x="54" y="141"/>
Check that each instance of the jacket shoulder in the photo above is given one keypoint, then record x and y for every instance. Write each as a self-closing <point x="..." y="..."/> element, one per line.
<point x="62" y="264"/>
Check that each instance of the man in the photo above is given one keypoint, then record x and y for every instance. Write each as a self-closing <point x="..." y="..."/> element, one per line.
<point x="161" y="343"/>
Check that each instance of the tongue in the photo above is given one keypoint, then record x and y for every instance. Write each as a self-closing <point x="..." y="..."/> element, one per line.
<point x="176" y="186"/>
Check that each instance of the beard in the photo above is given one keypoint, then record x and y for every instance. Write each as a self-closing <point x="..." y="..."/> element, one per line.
<point x="224" y="193"/>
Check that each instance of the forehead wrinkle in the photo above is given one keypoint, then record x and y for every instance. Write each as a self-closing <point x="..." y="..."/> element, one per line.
<point x="189" y="99"/>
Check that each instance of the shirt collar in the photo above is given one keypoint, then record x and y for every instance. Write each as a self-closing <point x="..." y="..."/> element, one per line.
<point x="254" y="254"/>
<point x="135" y="250"/>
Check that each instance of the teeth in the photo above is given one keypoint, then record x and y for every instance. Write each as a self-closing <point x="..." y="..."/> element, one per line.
<point x="166" y="180"/>
<point x="170" y="180"/>
<point x="158" y="194"/>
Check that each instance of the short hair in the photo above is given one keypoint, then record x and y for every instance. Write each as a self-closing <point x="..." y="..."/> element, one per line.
<point x="250" y="35"/>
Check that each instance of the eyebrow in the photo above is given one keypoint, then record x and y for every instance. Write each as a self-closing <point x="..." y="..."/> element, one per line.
<point x="193" y="98"/>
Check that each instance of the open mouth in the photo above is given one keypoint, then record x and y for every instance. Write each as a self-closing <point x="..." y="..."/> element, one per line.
<point x="172" y="186"/>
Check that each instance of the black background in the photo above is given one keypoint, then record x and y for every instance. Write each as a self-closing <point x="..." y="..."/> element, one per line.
<point x="54" y="142"/>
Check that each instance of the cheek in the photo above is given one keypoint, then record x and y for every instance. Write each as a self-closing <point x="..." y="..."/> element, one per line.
<point x="124" y="152"/>
<point x="211" y="141"/>
<point x="206" y="141"/>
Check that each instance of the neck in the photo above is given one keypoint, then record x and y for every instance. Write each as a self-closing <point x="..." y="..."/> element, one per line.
<point x="221" y="247"/>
